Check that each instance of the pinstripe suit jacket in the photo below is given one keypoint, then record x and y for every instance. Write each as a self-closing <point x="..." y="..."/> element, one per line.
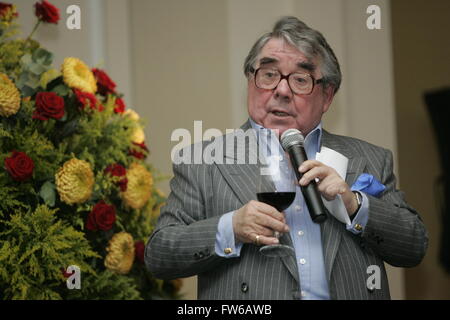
<point x="183" y="243"/>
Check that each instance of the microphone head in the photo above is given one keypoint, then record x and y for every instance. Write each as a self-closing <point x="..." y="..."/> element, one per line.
<point x="291" y="137"/>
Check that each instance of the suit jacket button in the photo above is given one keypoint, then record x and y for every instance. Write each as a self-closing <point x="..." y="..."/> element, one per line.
<point x="244" y="287"/>
<point x="196" y="256"/>
<point x="201" y="255"/>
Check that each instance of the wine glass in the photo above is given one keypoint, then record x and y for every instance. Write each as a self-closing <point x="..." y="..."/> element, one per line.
<point x="278" y="191"/>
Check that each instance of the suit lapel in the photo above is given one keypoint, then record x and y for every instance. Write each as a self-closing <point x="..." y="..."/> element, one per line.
<point x="332" y="229"/>
<point x="242" y="176"/>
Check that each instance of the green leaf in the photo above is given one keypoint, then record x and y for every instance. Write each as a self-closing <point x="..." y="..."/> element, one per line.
<point x="61" y="90"/>
<point x="70" y="128"/>
<point x="33" y="81"/>
<point x="26" y="59"/>
<point x="48" y="194"/>
<point x="27" y="91"/>
<point x="42" y="56"/>
<point x="36" y="68"/>
<point x="23" y="78"/>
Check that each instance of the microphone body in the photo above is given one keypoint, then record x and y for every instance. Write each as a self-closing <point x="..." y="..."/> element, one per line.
<point x="310" y="192"/>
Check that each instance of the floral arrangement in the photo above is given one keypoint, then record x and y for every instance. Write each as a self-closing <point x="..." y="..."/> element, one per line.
<point x="74" y="185"/>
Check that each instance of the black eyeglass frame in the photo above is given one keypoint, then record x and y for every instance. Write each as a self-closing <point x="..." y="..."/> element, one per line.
<point x="282" y="76"/>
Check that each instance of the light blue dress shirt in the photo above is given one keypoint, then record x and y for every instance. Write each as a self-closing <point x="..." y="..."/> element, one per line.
<point x="305" y="234"/>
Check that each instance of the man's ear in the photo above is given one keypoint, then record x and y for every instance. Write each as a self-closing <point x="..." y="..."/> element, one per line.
<point x="328" y="98"/>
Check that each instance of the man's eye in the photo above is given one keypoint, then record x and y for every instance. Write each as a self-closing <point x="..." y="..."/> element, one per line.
<point x="269" y="74"/>
<point x="300" y="80"/>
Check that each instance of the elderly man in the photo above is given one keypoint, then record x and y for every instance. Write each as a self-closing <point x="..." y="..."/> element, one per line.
<point x="213" y="227"/>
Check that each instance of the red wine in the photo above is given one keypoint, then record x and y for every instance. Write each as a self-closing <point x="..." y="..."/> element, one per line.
<point x="279" y="200"/>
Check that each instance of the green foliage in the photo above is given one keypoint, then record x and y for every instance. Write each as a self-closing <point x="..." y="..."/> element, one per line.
<point x="34" y="64"/>
<point x="106" y="286"/>
<point x="34" y="247"/>
<point x="40" y="235"/>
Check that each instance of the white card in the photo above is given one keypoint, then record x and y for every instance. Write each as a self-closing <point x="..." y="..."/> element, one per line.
<point x="339" y="163"/>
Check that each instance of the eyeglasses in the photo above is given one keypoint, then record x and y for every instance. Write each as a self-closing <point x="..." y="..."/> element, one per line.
<point x="300" y="83"/>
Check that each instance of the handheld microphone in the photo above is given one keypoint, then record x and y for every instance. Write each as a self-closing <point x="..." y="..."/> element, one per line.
<point x="292" y="142"/>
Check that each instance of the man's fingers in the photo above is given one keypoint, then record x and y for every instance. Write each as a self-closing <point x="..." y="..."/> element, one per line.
<point x="316" y="172"/>
<point x="263" y="240"/>
<point x="308" y="164"/>
<point x="269" y="222"/>
<point x="270" y="211"/>
<point x="257" y="218"/>
<point x="263" y="231"/>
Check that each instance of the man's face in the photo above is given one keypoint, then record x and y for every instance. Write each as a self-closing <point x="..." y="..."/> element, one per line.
<point x="280" y="108"/>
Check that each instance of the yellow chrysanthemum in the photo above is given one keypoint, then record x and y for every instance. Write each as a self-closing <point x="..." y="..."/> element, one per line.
<point x="139" y="188"/>
<point x="48" y="76"/>
<point x="120" y="255"/>
<point x="132" y="114"/>
<point x="9" y="97"/>
<point x="138" y="135"/>
<point x="74" y="181"/>
<point x="76" y="74"/>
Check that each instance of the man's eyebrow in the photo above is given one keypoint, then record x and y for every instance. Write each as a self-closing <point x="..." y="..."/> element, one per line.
<point x="267" y="60"/>
<point x="307" y="66"/>
<point x="302" y="65"/>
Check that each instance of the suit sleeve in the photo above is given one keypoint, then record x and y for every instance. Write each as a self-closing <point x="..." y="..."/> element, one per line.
<point x="394" y="230"/>
<point x="183" y="242"/>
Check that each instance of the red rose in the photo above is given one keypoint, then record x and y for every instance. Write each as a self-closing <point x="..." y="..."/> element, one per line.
<point x="48" y="105"/>
<point x="104" y="83"/>
<point x="4" y="8"/>
<point x="102" y="216"/>
<point x="47" y="12"/>
<point x="87" y="99"/>
<point x="139" y="250"/>
<point x="120" y="106"/>
<point x="19" y="165"/>
<point x="116" y="170"/>
<point x="136" y="154"/>
<point x="141" y="145"/>
<point x="123" y="184"/>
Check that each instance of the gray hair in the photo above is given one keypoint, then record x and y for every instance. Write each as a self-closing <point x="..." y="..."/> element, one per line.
<point x="309" y="41"/>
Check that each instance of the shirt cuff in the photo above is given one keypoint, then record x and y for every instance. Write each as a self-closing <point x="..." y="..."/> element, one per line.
<point x="225" y="243"/>
<point x="362" y="216"/>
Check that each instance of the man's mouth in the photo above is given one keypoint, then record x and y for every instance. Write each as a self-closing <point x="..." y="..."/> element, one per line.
<point x="280" y="113"/>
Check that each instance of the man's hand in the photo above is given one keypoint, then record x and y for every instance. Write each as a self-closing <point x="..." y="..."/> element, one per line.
<point x="258" y="219"/>
<point x="330" y="183"/>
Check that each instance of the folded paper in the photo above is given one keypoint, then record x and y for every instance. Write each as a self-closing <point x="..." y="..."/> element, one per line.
<point x="338" y="162"/>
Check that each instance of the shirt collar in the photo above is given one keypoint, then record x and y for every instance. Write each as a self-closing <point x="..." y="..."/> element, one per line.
<point x="312" y="139"/>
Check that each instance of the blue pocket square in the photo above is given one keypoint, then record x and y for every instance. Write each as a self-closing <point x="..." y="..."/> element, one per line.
<point x="368" y="184"/>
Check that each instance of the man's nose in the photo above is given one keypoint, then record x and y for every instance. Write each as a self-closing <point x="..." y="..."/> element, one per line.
<point x="283" y="90"/>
